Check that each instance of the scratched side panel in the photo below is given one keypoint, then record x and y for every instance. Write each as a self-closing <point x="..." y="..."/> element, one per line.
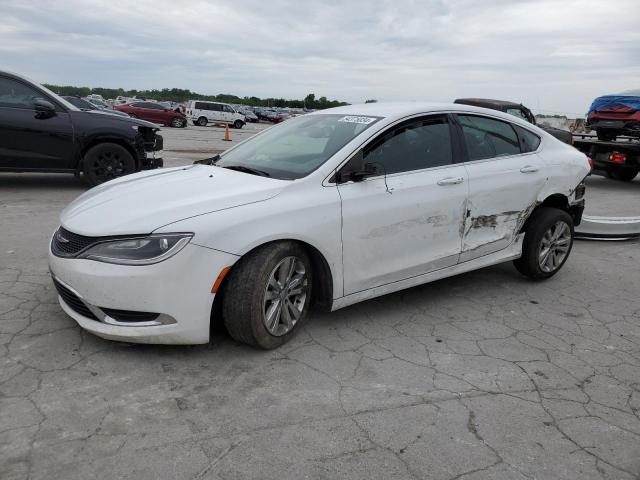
<point x="501" y="197"/>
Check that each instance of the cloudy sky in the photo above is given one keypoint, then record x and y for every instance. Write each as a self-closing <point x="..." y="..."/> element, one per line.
<point x="552" y="55"/>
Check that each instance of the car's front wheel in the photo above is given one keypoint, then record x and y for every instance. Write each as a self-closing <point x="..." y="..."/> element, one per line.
<point x="267" y="295"/>
<point x="178" y="122"/>
<point x="547" y="243"/>
<point x="238" y="124"/>
<point x="106" y="161"/>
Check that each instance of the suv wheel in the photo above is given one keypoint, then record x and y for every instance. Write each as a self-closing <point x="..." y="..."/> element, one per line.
<point x="238" y="124"/>
<point x="202" y="122"/>
<point x="267" y="295"/>
<point x="548" y="238"/>
<point x="107" y="161"/>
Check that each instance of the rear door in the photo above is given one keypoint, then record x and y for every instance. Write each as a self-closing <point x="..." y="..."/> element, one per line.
<point x="27" y="140"/>
<point x="407" y="220"/>
<point x="505" y="177"/>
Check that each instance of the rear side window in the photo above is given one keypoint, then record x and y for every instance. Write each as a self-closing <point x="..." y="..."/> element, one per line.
<point x="529" y="141"/>
<point x="420" y="144"/>
<point x="488" y="138"/>
<point x="15" y="94"/>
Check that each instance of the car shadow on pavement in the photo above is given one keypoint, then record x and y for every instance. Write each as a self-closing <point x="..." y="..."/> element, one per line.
<point x="41" y="181"/>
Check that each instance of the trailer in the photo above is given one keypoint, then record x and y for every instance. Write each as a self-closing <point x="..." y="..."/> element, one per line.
<point x="618" y="159"/>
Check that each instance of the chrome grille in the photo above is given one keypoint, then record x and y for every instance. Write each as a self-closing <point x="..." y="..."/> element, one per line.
<point x="68" y="244"/>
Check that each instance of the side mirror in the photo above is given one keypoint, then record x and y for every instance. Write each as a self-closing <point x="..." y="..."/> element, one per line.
<point x="44" y="109"/>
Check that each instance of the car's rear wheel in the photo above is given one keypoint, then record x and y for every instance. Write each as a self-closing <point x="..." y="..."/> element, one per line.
<point x="267" y="295"/>
<point x="238" y="124"/>
<point x="623" y="174"/>
<point x="606" y="135"/>
<point x="547" y="243"/>
<point x="178" y="122"/>
<point x="107" y="161"/>
<point x="202" y="122"/>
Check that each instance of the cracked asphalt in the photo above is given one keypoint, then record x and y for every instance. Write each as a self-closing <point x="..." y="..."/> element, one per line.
<point x="486" y="375"/>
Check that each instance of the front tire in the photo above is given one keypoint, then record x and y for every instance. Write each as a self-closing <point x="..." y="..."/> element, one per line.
<point x="238" y="124"/>
<point x="547" y="243"/>
<point x="178" y="122"/>
<point x="106" y="161"/>
<point x="202" y="122"/>
<point x="267" y="295"/>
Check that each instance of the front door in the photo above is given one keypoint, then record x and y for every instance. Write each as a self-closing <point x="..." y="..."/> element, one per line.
<point x="406" y="220"/>
<point x="27" y="140"/>
<point x="504" y="182"/>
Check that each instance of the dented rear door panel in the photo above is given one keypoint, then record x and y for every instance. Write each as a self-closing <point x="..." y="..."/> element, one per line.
<point x="502" y="193"/>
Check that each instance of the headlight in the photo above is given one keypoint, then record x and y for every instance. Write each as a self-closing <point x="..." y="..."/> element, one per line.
<point x="138" y="250"/>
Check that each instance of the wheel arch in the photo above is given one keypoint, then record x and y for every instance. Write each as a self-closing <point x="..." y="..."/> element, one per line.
<point x="99" y="140"/>
<point x="323" y="281"/>
<point x="555" y="200"/>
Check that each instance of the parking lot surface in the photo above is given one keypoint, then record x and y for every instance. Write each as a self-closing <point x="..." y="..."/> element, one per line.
<point x="485" y="375"/>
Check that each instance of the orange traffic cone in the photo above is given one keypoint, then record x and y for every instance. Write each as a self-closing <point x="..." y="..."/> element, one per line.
<point x="227" y="136"/>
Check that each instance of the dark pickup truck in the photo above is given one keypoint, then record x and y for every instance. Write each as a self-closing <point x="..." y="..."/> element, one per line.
<point x="42" y="132"/>
<point x="518" y="110"/>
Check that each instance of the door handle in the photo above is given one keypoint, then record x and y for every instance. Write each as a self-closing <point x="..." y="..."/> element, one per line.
<point x="450" y="181"/>
<point x="529" y="169"/>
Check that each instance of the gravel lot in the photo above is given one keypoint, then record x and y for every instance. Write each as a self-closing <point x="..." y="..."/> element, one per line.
<point x="482" y="376"/>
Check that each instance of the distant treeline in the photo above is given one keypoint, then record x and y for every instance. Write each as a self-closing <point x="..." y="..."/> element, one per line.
<point x="181" y="95"/>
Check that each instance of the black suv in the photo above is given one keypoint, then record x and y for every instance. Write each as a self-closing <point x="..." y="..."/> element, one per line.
<point x="42" y="132"/>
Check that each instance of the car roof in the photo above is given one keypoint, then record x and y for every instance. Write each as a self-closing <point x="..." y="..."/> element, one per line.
<point x="487" y="101"/>
<point x="394" y="110"/>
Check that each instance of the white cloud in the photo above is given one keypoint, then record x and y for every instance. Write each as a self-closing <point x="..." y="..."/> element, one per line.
<point x="550" y="55"/>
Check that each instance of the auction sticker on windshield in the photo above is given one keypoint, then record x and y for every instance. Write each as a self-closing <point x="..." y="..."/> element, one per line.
<point x="355" y="119"/>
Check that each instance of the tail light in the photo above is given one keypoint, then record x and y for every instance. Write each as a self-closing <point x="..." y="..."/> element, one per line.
<point x="617" y="157"/>
<point x="590" y="160"/>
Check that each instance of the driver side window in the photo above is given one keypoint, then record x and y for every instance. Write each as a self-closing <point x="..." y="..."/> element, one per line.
<point x="14" y="94"/>
<point x="415" y="145"/>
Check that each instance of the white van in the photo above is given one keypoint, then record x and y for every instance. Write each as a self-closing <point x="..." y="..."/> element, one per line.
<point x="202" y="113"/>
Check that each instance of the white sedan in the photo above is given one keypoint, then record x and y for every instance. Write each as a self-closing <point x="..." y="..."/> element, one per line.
<point x="325" y="210"/>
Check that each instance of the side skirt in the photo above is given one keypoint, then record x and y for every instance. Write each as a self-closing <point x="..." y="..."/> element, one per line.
<point x="510" y="253"/>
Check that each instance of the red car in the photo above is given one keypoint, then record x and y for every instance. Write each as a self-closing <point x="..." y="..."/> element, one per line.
<point x="613" y="115"/>
<point x="154" y="112"/>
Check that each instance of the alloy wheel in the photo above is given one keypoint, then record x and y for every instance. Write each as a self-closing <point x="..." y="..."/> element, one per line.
<point x="285" y="296"/>
<point x="554" y="247"/>
<point x="108" y="165"/>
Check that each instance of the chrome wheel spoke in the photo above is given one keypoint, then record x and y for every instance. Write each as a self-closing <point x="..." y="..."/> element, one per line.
<point x="554" y="247"/>
<point x="285" y="296"/>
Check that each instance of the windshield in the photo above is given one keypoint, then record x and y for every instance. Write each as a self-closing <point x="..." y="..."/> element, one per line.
<point x="296" y="147"/>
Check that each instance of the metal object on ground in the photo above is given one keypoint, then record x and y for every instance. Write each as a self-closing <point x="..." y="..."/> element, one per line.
<point x="608" y="228"/>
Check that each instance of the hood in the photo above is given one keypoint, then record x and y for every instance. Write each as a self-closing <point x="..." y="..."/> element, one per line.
<point x="108" y="117"/>
<point x="143" y="202"/>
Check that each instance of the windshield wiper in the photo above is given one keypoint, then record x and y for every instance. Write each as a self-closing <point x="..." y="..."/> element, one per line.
<point x="208" y="161"/>
<point x="242" y="168"/>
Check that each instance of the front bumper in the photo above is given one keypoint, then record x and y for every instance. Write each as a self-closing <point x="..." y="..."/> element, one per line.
<point x="178" y="290"/>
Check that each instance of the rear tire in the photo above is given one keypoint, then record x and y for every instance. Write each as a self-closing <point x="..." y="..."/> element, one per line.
<point x="606" y="135"/>
<point x="623" y="174"/>
<point x="106" y="161"/>
<point x="201" y="122"/>
<point x="267" y="295"/>
<point x="548" y="239"/>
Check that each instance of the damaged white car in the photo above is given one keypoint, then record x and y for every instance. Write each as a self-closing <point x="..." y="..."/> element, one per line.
<point x="326" y="210"/>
